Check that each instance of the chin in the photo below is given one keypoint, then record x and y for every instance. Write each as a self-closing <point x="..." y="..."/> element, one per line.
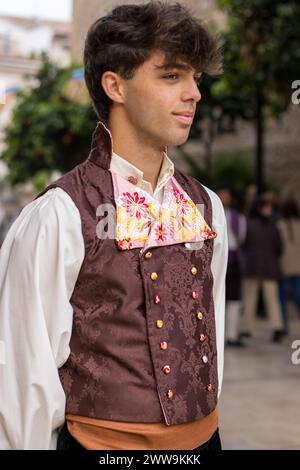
<point x="179" y="139"/>
<point x="175" y="136"/>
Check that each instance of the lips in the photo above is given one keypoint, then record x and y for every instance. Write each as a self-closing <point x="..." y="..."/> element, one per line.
<point x="185" y="117"/>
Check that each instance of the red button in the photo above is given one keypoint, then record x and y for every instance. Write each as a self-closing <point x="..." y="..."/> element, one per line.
<point x="202" y="338"/>
<point x="209" y="387"/>
<point x="157" y="299"/>
<point x="195" y="294"/>
<point x="166" y="369"/>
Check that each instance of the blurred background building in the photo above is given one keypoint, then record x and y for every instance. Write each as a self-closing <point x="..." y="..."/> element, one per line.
<point x="23" y="41"/>
<point x="93" y="9"/>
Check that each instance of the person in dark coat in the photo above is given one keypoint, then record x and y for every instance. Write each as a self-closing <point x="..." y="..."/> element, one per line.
<point x="262" y="250"/>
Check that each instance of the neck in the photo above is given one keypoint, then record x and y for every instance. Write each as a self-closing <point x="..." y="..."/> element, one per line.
<point x="136" y="149"/>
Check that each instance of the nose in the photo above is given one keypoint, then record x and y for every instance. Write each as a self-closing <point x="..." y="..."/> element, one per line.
<point x="192" y="92"/>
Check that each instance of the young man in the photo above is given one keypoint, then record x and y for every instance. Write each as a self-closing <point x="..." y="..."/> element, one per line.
<point x="112" y="280"/>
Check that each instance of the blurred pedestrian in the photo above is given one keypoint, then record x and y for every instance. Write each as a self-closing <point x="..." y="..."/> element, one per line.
<point x="289" y="227"/>
<point x="262" y="250"/>
<point x="236" y="229"/>
<point x="250" y="198"/>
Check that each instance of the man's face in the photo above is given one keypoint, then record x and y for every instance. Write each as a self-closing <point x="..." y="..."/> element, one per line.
<point x="161" y="100"/>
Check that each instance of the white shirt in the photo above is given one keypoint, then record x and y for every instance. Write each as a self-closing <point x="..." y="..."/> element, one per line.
<point x="126" y="169"/>
<point x="39" y="263"/>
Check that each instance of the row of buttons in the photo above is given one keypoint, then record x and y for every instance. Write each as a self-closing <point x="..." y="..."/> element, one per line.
<point x="159" y="324"/>
<point x="154" y="277"/>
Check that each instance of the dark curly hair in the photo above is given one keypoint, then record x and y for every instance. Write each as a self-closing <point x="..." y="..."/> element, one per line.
<point x="125" y="38"/>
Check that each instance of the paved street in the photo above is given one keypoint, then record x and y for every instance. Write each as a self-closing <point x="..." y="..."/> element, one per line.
<point x="260" y="403"/>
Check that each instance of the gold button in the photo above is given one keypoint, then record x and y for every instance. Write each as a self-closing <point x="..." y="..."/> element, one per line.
<point x="199" y="315"/>
<point x="159" y="323"/>
<point x="194" y="270"/>
<point x="170" y="394"/>
<point x="148" y="254"/>
<point x="154" y="276"/>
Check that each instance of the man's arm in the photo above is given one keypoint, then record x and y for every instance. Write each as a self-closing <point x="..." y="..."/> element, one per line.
<point x="219" y="268"/>
<point x="39" y="264"/>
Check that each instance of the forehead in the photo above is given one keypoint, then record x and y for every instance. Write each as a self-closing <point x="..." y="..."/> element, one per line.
<point x="158" y="62"/>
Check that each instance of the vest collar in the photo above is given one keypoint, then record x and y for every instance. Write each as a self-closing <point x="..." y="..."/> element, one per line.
<point x="102" y="145"/>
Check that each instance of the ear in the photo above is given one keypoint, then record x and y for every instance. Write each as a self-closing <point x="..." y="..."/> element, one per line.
<point x="113" y="86"/>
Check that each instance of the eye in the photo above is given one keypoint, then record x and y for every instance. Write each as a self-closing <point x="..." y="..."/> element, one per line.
<point x="171" y="76"/>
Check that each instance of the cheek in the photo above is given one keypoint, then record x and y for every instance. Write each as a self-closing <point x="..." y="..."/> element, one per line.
<point x="149" y="104"/>
<point x="138" y="101"/>
<point x="146" y="105"/>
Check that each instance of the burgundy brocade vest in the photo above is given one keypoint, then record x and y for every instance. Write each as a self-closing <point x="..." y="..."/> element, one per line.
<point x="142" y="350"/>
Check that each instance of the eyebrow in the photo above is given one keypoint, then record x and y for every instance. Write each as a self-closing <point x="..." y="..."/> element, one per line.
<point x="175" y="66"/>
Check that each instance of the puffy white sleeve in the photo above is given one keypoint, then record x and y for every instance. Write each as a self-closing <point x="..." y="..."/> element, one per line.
<point x="219" y="268"/>
<point x="39" y="263"/>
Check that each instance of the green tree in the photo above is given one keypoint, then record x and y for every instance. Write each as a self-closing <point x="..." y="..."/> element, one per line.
<point x="48" y="130"/>
<point x="262" y="57"/>
<point x="215" y="115"/>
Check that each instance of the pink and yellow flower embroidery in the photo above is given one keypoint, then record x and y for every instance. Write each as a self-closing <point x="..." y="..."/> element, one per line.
<point x="142" y="221"/>
<point x="124" y="244"/>
<point x="181" y="201"/>
<point x="208" y="234"/>
<point x="135" y="205"/>
<point x="160" y="232"/>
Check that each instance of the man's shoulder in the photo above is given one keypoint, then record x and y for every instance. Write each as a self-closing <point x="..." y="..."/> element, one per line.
<point x="51" y="206"/>
<point x="64" y="182"/>
<point x="53" y="196"/>
<point x="44" y="219"/>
